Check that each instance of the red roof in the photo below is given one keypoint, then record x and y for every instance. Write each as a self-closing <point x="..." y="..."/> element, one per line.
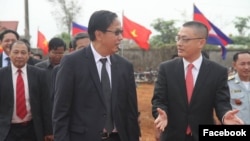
<point x="8" y="25"/>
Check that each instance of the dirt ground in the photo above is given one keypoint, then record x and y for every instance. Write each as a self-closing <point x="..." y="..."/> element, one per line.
<point x="144" y="94"/>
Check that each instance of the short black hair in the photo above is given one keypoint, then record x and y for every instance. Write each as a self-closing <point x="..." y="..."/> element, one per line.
<point x="100" y="20"/>
<point x="201" y="28"/>
<point x="8" y="31"/>
<point x="27" y="43"/>
<point x="20" y="42"/>
<point x="236" y="55"/>
<point x="56" y="42"/>
<point x="79" y="36"/>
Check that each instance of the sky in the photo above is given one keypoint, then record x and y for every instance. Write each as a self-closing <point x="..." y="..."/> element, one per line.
<point x="221" y="13"/>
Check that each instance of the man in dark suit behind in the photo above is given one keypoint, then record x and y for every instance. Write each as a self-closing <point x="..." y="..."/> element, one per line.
<point x="177" y="116"/>
<point x="7" y="37"/>
<point x="80" y="107"/>
<point x="35" y="124"/>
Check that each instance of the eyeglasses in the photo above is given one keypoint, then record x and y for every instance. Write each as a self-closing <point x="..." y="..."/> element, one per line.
<point x="185" y="40"/>
<point x="117" y="32"/>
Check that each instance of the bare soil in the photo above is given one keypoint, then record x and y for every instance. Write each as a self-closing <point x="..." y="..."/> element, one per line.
<point x="144" y="94"/>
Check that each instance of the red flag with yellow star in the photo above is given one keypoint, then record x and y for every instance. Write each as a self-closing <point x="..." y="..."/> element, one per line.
<point x="138" y="33"/>
<point x="42" y="43"/>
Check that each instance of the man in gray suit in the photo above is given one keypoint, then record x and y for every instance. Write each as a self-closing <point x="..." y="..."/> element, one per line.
<point x="80" y="107"/>
<point x="177" y="114"/>
<point x="35" y="122"/>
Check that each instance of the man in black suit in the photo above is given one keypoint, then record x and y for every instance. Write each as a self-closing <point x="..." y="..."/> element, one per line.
<point x="177" y="115"/>
<point x="81" y="40"/>
<point x="35" y="124"/>
<point x="7" y="37"/>
<point x="80" y="106"/>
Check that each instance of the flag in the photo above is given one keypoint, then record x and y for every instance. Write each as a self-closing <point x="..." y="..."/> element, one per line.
<point x="42" y="43"/>
<point x="1" y="49"/>
<point x="138" y="33"/>
<point x="77" y="28"/>
<point x="215" y="35"/>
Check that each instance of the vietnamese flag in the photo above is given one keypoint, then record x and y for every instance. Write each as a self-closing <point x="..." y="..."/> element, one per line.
<point x="42" y="43"/>
<point x="136" y="32"/>
<point x="1" y="49"/>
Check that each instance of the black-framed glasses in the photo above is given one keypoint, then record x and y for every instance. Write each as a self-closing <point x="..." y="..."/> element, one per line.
<point x="117" y="32"/>
<point x="185" y="40"/>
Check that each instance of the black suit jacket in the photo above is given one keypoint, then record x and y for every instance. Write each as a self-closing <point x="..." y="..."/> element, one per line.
<point x="1" y="58"/>
<point x="79" y="105"/>
<point x="39" y="101"/>
<point x="210" y="91"/>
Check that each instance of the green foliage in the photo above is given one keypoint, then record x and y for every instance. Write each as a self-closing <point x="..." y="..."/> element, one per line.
<point x="66" y="37"/>
<point x="167" y="32"/>
<point x="240" y="40"/>
<point x="241" y="24"/>
<point x="65" y="12"/>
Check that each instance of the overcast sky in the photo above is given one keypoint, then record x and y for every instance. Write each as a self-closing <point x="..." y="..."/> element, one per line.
<point x="220" y="12"/>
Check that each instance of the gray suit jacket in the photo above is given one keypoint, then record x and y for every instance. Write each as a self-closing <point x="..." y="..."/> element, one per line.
<point x="39" y="101"/>
<point x="79" y="106"/>
<point x="210" y="91"/>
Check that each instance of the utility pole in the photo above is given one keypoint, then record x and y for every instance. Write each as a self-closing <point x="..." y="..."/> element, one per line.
<point x="27" y="28"/>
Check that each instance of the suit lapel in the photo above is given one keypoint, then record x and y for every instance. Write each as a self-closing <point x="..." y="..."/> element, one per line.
<point x="10" y="82"/>
<point x="91" y="65"/>
<point x="1" y="62"/>
<point x="202" y="76"/>
<point x="181" y="79"/>
<point x="114" y="82"/>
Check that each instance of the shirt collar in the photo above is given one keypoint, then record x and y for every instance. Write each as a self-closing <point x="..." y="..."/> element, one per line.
<point x="97" y="56"/>
<point x="14" y="69"/>
<point x="196" y="63"/>
<point x="4" y="55"/>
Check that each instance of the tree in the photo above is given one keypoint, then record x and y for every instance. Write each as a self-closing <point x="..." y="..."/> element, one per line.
<point x="241" y="24"/>
<point x="65" y="12"/>
<point x="65" y="37"/>
<point x="167" y="33"/>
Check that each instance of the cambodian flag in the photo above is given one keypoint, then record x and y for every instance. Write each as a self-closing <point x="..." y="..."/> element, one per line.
<point x="77" y="28"/>
<point x="215" y="35"/>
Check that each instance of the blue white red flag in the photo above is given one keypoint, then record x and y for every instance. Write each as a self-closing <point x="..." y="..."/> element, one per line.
<point x="77" y="28"/>
<point x="215" y="35"/>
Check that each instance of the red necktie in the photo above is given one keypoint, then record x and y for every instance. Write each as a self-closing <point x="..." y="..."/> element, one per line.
<point x="21" y="109"/>
<point x="190" y="87"/>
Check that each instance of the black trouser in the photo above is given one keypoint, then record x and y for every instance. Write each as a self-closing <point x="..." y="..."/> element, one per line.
<point x="21" y="132"/>
<point x="189" y="138"/>
<point x="112" y="137"/>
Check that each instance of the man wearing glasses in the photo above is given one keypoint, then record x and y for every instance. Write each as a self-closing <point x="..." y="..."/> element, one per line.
<point x="189" y="88"/>
<point x="95" y="92"/>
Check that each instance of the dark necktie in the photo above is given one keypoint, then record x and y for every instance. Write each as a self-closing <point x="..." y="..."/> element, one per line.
<point x="107" y="94"/>
<point x="8" y="60"/>
<point x="21" y="109"/>
<point x="190" y="87"/>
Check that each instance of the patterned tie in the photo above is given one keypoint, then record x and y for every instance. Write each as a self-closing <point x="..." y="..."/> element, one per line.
<point x="107" y="94"/>
<point x="190" y="87"/>
<point x="21" y="109"/>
